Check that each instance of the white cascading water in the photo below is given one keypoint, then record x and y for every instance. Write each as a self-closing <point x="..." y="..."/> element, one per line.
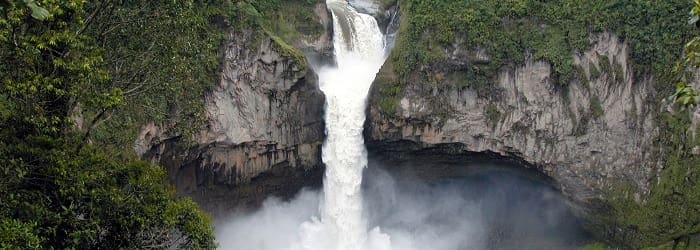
<point x="360" y="52"/>
<point x="441" y="217"/>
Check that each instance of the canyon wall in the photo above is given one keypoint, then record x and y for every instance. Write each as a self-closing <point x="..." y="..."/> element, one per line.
<point x="265" y="123"/>
<point x="598" y="133"/>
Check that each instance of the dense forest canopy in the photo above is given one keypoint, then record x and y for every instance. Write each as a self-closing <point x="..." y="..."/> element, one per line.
<point x="67" y="68"/>
<point x="77" y="79"/>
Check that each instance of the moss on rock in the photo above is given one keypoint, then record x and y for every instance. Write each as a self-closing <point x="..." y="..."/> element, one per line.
<point x="672" y="209"/>
<point x="514" y="31"/>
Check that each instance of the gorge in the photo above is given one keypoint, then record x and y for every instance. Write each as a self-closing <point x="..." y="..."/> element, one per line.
<point x="349" y="124"/>
<point x="342" y="222"/>
<point x="573" y="135"/>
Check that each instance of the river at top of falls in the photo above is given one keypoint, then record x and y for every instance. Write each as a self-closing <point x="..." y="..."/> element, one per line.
<point x="360" y="52"/>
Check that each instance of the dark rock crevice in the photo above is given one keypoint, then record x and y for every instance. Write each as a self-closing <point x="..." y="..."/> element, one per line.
<point x="451" y="160"/>
<point x="518" y="190"/>
<point x="220" y="188"/>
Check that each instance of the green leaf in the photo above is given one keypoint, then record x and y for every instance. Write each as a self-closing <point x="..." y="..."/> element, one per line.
<point x="38" y="12"/>
<point x="684" y="100"/>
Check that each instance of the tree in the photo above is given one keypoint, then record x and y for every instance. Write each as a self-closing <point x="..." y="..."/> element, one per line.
<point x="56" y="190"/>
<point x="162" y="56"/>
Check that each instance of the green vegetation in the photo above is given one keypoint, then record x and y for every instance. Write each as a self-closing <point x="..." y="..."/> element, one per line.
<point x="670" y="215"/>
<point x="389" y="102"/>
<point x="580" y="74"/>
<point x="686" y="96"/>
<point x="581" y="125"/>
<point x="594" y="246"/>
<point x="58" y="190"/>
<point x="158" y="57"/>
<point x="116" y="65"/>
<point x="606" y="67"/>
<point x="618" y="73"/>
<point x="163" y="56"/>
<point x="548" y="30"/>
<point x="77" y="79"/>
<point x="672" y="209"/>
<point x="284" y="21"/>
<point x="292" y="20"/>
<point x="387" y="94"/>
<point x="593" y="69"/>
<point x="512" y="31"/>
<point x="595" y="107"/>
<point x="289" y="51"/>
<point x="492" y="114"/>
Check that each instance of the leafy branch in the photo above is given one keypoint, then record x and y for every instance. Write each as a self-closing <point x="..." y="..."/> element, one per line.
<point x="38" y="12"/>
<point x="686" y="97"/>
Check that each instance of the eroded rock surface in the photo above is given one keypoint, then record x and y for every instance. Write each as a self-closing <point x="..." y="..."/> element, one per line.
<point x="597" y="134"/>
<point x="265" y="125"/>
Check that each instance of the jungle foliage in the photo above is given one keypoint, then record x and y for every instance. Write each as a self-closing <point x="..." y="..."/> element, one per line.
<point x="71" y="73"/>
<point x="512" y="31"/>
<point x="77" y="79"/>
<point x="686" y="96"/>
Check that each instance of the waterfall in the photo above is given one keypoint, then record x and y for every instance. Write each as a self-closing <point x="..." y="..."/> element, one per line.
<point x="360" y="52"/>
<point x="456" y="209"/>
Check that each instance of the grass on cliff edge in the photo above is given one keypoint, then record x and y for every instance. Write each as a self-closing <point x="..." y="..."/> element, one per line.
<point x="513" y="31"/>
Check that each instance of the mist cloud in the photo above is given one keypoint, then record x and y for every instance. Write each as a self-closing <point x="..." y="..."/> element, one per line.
<point x="491" y="210"/>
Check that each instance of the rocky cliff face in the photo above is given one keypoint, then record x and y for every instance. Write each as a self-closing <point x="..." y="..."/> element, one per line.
<point x="596" y="134"/>
<point x="265" y="124"/>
